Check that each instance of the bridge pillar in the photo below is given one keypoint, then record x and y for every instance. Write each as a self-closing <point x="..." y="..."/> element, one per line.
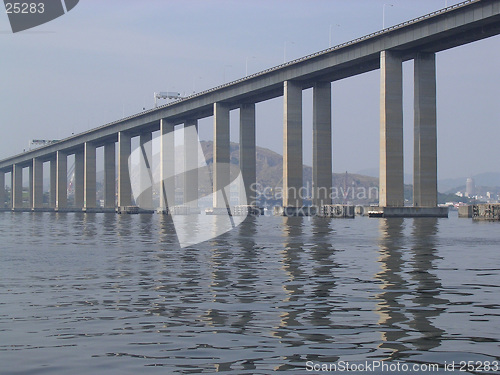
<point x="79" y="187"/>
<point x="391" y="192"/>
<point x="11" y="203"/>
<point x="89" y="196"/>
<point x="30" y="185"/>
<point x="124" y="185"/>
<point x="191" y="163"/>
<point x="2" y="189"/>
<point x="425" y="132"/>
<point x="145" y="199"/>
<point x="37" y="191"/>
<point x="167" y="165"/>
<point x="292" y="145"/>
<point x="322" y="144"/>
<point x="220" y="168"/>
<point x="53" y="183"/>
<point x="109" y="175"/>
<point x="61" y="180"/>
<point x="248" y="154"/>
<point x="17" y="186"/>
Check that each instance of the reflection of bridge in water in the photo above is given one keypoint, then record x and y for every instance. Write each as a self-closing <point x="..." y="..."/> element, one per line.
<point x="417" y="40"/>
<point x="408" y="306"/>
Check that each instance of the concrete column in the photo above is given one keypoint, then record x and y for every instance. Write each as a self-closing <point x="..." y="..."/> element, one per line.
<point x="11" y="203"/>
<point x="61" y="180"/>
<point x="124" y="186"/>
<point x="322" y="144"/>
<point x="247" y="154"/>
<point x="89" y="195"/>
<point x="37" y="184"/>
<point x="220" y="169"/>
<point x="30" y="185"/>
<point x="391" y="191"/>
<point x="2" y="189"/>
<point x="145" y="200"/>
<point x="167" y="165"/>
<point x="425" y="132"/>
<point x="79" y="183"/>
<point x="53" y="183"/>
<point x="109" y="175"/>
<point x="292" y="144"/>
<point x="191" y="163"/>
<point x="17" y="186"/>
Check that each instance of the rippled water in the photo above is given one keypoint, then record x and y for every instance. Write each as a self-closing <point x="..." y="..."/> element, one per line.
<point x="105" y="293"/>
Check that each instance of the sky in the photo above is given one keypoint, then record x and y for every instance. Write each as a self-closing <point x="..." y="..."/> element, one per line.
<point x="103" y="60"/>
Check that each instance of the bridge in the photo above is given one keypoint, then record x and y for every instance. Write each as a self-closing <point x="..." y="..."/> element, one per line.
<point x="418" y="39"/>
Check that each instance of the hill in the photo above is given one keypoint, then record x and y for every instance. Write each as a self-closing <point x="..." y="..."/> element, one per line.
<point x="354" y="188"/>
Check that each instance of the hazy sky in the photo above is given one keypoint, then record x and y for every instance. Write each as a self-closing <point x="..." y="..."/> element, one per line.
<point x="104" y="59"/>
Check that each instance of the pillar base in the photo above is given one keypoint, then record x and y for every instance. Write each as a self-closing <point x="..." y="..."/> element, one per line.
<point x="68" y="209"/>
<point x="295" y="211"/>
<point x="247" y="209"/>
<point x="465" y="211"/>
<point x="337" y="211"/>
<point x="409" y="212"/>
<point x="21" y="209"/>
<point x="43" y="209"/>
<point x="219" y="211"/>
<point x="184" y="210"/>
<point x="127" y="210"/>
<point x="98" y="210"/>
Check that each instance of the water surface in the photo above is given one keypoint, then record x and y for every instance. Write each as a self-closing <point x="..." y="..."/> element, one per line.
<point x="105" y="293"/>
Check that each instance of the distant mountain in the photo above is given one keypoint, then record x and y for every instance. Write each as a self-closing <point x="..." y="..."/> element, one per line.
<point x="270" y="173"/>
<point x="374" y="172"/>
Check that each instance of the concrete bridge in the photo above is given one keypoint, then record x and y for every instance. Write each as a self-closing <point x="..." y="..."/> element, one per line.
<point x="419" y="39"/>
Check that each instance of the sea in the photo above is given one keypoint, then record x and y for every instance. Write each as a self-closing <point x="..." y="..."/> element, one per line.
<point x="116" y="294"/>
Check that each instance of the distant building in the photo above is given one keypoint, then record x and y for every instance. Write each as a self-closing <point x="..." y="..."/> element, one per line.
<point x="470" y="187"/>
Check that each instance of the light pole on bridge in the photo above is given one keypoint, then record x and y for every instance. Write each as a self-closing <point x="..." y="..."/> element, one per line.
<point x="383" y="14"/>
